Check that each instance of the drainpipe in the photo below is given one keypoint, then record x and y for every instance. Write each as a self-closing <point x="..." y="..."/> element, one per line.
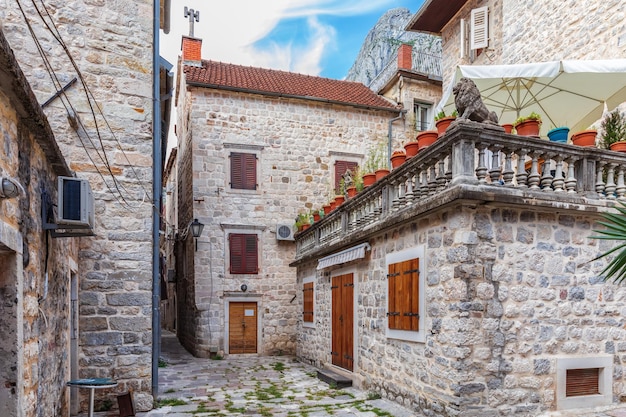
<point x="400" y="116"/>
<point x="156" y="197"/>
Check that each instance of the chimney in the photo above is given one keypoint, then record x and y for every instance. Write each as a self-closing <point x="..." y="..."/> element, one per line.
<point x="405" y="56"/>
<point x="191" y="50"/>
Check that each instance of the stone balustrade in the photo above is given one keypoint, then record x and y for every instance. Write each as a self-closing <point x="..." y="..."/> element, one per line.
<point x="474" y="162"/>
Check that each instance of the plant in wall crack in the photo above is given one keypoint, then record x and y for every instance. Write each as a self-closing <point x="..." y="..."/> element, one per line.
<point x="615" y="224"/>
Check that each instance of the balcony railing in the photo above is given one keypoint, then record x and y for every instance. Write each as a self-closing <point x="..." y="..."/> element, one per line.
<point x="473" y="162"/>
<point x="424" y="63"/>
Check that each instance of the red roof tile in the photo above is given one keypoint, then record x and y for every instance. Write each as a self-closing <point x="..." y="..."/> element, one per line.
<point x="266" y="81"/>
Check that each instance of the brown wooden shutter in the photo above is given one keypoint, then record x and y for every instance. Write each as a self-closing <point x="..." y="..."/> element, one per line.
<point x="582" y="382"/>
<point x="340" y="168"/>
<point x="403" y="293"/>
<point x="243" y="171"/>
<point x="243" y="253"/>
<point x="308" y="302"/>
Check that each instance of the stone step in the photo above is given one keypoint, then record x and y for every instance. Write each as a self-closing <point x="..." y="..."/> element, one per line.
<point x="333" y="378"/>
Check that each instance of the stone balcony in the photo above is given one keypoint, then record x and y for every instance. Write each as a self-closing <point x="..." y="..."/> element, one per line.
<point x="474" y="164"/>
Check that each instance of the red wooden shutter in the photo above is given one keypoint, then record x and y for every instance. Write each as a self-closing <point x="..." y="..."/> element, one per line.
<point x="243" y="171"/>
<point x="582" y="382"/>
<point x="340" y="168"/>
<point x="308" y="302"/>
<point x="393" y="312"/>
<point x="403" y="293"/>
<point x="243" y="253"/>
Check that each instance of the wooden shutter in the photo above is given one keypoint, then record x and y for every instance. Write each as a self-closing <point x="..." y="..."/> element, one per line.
<point x="340" y="168"/>
<point x="403" y="292"/>
<point x="243" y="253"/>
<point x="243" y="171"/>
<point x="308" y="302"/>
<point x="479" y="32"/>
<point x="582" y="382"/>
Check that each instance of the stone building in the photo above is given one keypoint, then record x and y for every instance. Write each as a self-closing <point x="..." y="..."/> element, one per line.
<point x="92" y="66"/>
<point x="461" y="286"/>
<point x="39" y="279"/>
<point x="292" y="136"/>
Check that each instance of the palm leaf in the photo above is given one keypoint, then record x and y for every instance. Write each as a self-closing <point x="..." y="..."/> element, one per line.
<point x="615" y="225"/>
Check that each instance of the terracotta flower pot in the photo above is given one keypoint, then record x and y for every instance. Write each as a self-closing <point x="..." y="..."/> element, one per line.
<point x="327" y="209"/>
<point x="305" y="226"/>
<point x="585" y="138"/>
<point x="426" y="138"/>
<point x="411" y="149"/>
<point x="528" y="128"/>
<point x="397" y="159"/>
<point x="369" y="179"/>
<point x="351" y="191"/>
<point x="619" y="146"/>
<point x="443" y="124"/>
<point x="316" y="216"/>
<point x="508" y="127"/>
<point x="339" y="199"/>
<point x="333" y="205"/>
<point x="381" y="173"/>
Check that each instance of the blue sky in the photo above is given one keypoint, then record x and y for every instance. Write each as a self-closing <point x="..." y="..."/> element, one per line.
<point x="316" y="37"/>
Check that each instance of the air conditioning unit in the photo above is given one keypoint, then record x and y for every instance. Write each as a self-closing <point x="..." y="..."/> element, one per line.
<point x="75" y="203"/>
<point x="284" y="232"/>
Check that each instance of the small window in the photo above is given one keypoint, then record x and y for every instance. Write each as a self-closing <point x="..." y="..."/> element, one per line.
<point x="582" y="382"/>
<point x="243" y="253"/>
<point x="243" y="171"/>
<point x="340" y="168"/>
<point x="308" y="293"/>
<point x="422" y="116"/>
<point x="403" y="292"/>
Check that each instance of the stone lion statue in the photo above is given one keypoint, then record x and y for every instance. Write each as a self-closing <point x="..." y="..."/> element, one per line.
<point x="470" y="105"/>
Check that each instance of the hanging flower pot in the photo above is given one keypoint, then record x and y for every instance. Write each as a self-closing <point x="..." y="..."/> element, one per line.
<point x="443" y="124"/>
<point x="528" y="128"/>
<point x="508" y="128"/>
<point x="369" y="179"/>
<point x="381" y="173"/>
<point x="411" y="149"/>
<point x="351" y="191"/>
<point x="585" y="138"/>
<point x="397" y="159"/>
<point x="426" y="138"/>
<point x="558" y="134"/>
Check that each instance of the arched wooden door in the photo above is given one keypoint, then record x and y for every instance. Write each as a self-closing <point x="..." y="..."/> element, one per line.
<point x="242" y="327"/>
<point x="342" y="291"/>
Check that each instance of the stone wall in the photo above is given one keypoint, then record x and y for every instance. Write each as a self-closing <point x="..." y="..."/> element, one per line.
<point x="527" y="31"/>
<point x="297" y="143"/>
<point x="36" y="269"/>
<point x="509" y="292"/>
<point x="111" y="45"/>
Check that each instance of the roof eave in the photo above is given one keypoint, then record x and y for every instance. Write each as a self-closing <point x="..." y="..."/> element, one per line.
<point x="434" y="15"/>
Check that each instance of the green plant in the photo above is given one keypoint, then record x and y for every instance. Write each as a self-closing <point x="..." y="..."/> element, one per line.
<point x="302" y="219"/>
<point x="442" y="114"/>
<point x="615" y="230"/>
<point x="613" y="129"/>
<point x="376" y="158"/>
<point x="171" y="401"/>
<point x="531" y="116"/>
<point x="162" y="363"/>
<point x="358" y="178"/>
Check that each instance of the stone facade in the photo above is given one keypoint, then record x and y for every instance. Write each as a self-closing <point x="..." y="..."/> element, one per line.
<point x="297" y="142"/>
<point x="105" y="133"/>
<point x="527" y="31"/>
<point x="38" y="271"/>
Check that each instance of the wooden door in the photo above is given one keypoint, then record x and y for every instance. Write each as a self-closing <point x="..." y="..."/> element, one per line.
<point x="343" y="321"/>
<point x="242" y="328"/>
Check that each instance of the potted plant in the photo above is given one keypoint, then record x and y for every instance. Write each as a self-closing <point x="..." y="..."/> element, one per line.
<point x="613" y="131"/>
<point x="358" y="179"/>
<point x="442" y="122"/>
<point x="558" y="134"/>
<point x="508" y="127"/>
<point x="528" y="125"/>
<point x="303" y="221"/>
<point x="426" y="138"/>
<point x="376" y="162"/>
<point x="585" y="137"/>
<point x="397" y="159"/>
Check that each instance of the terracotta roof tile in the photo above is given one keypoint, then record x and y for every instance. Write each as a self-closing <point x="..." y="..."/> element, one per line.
<point x="228" y="76"/>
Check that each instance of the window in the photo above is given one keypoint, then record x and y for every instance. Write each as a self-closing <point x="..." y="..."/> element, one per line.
<point x="422" y="119"/>
<point x="403" y="290"/>
<point x="243" y="253"/>
<point x="243" y="171"/>
<point x="340" y="168"/>
<point x="583" y="381"/>
<point x="308" y="293"/>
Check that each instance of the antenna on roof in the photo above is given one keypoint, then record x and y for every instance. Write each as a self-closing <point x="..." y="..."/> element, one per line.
<point x="192" y="15"/>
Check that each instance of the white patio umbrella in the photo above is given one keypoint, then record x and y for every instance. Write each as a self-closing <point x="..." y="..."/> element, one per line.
<point x="565" y="93"/>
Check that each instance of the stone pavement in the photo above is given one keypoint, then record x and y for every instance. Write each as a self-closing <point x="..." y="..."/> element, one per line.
<point x="277" y="386"/>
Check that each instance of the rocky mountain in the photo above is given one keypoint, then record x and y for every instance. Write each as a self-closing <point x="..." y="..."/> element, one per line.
<point x="382" y="42"/>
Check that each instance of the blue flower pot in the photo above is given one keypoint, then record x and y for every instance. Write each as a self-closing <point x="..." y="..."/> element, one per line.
<point x="559" y="134"/>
